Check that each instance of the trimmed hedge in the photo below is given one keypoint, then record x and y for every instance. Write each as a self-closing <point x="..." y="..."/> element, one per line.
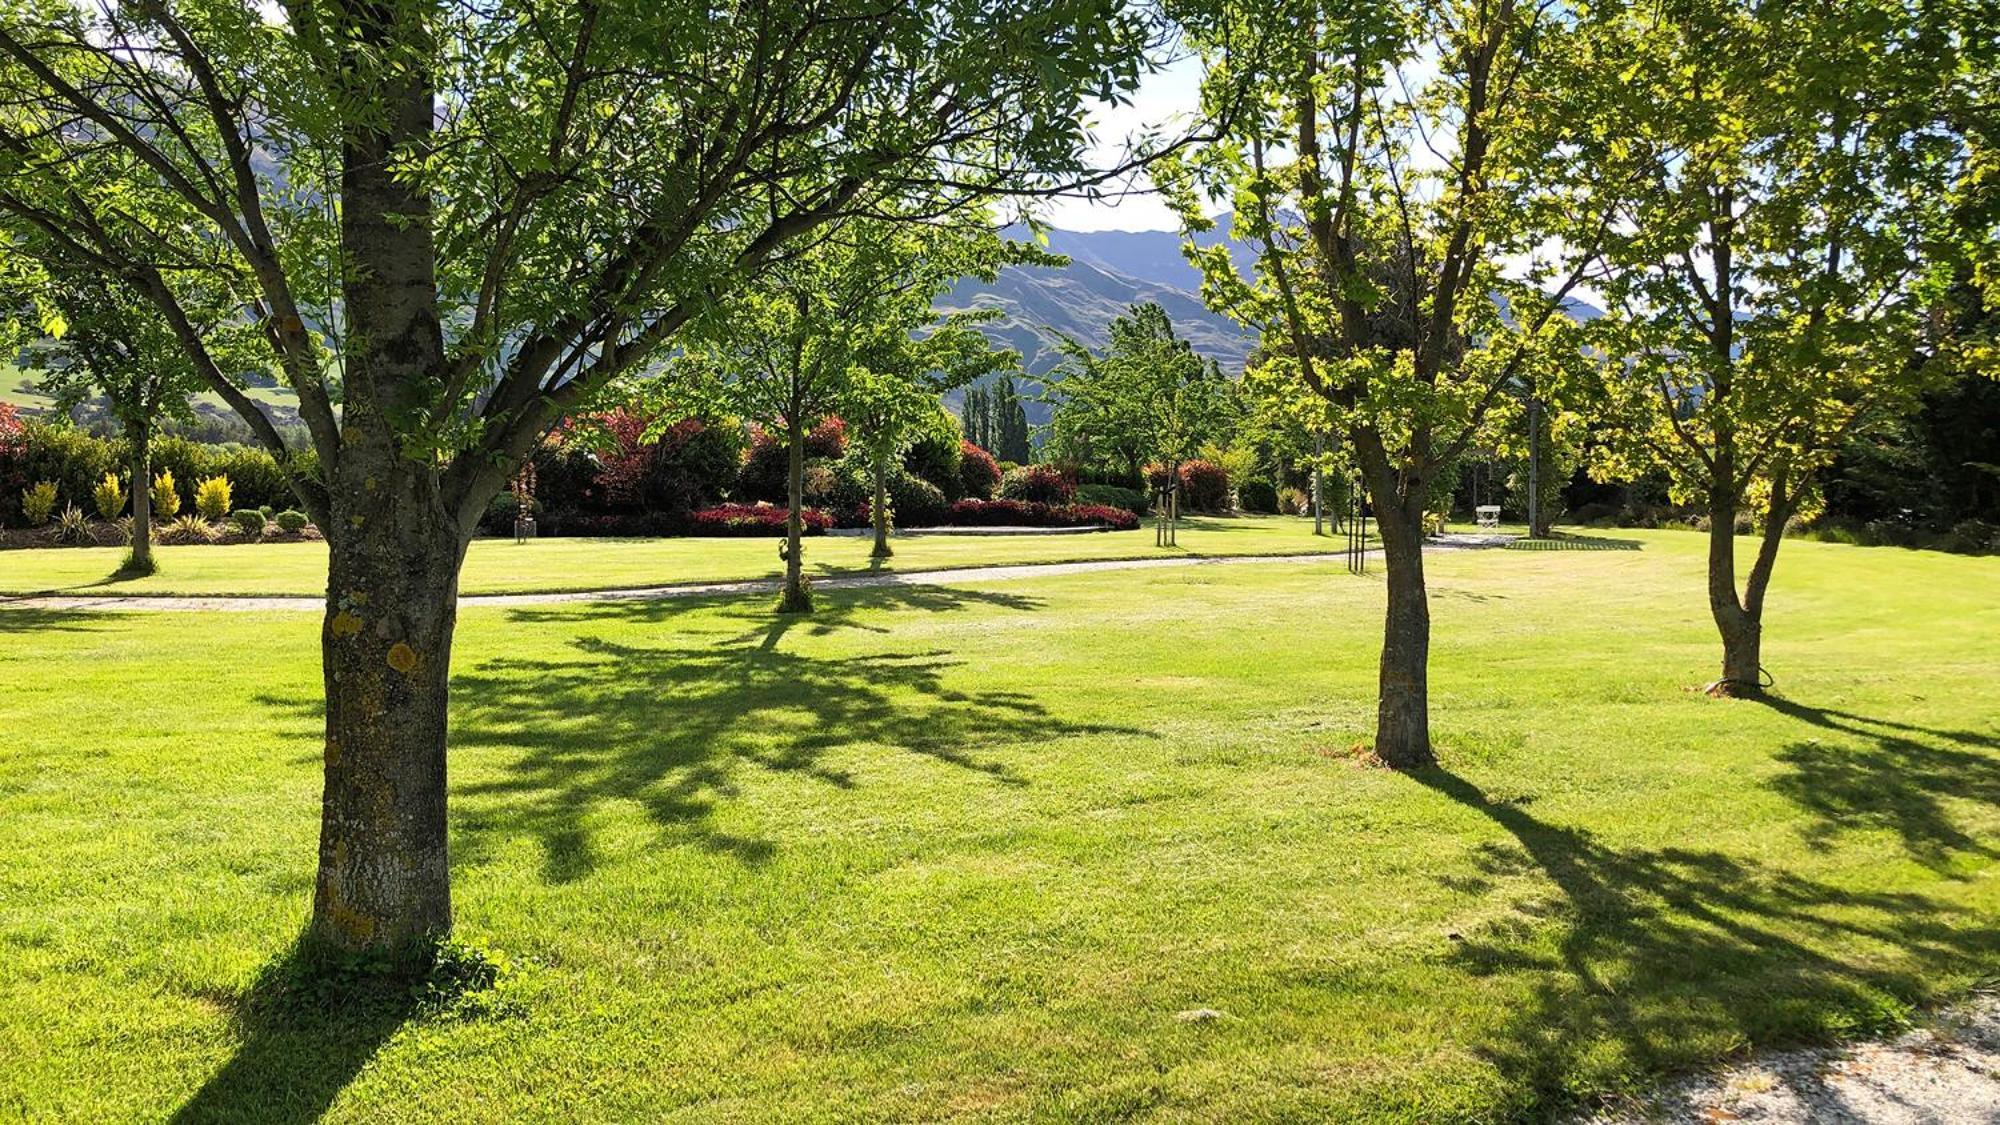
<point x="755" y="519"/>
<point x="1114" y="496"/>
<point x="77" y="461"/>
<point x="1026" y="513"/>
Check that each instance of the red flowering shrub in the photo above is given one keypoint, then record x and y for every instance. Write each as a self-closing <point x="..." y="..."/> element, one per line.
<point x="1038" y="484"/>
<point x="1025" y="513"/>
<point x="754" y="519"/>
<point x="686" y="466"/>
<point x="627" y="459"/>
<point x="1204" y="487"/>
<point x="978" y="472"/>
<point x="828" y="440"/>
<point x="765" y="473"/>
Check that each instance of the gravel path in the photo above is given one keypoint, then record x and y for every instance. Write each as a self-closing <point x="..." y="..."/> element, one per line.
<point x="223" y="603"/>
<point x="1946" y="1072"/>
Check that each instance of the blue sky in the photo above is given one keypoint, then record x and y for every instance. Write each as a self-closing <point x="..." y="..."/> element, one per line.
<point x="1164" y="101"/>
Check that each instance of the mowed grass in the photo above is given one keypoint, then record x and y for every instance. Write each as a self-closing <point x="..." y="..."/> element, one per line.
<point x="501" y="566"/>
<point x="975" y="853"/>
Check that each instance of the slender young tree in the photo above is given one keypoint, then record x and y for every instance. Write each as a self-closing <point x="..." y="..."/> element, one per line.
<point x="461" y="222"/>
<point x="832" y="326"/>
<point x="1395" y="182"/>
<point x="1148" y="397"/>
<point x="1770" y="288"/>
<point x="892" y="394"/>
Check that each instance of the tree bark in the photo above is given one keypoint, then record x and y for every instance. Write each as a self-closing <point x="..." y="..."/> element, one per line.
<point x="1740" y="621"/>
<point x="392" y="601"/>
<point x="880" y="511"/>
<point x="1741" y="630"/>
<point x="394" y="543"/>
<point x="1402" y="700"/>
<point x="1402" y="706"/>
<point x="796" y="598"/>
<point x="142" y="499"/>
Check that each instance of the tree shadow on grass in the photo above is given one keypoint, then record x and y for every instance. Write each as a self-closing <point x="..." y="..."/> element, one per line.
<point x="673" y="725"/>
<point x="1897" y="776"/>
<point x="1644" y="960"/>
<point x="296" y="1052"/>
<point x="23" y="619"/>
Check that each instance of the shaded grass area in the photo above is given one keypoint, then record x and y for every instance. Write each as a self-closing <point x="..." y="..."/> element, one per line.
<point x="971" y="852"/>
<point x="501" y="566"/>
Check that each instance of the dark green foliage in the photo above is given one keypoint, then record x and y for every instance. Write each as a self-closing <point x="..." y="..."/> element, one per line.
<point x="916" y="502"/>
<point x="763" y="476"/>
<point x="1931" y="471"/>
<point x="695" y="465"/>
<point x="996" y="420"/>
<point x="1114" y="496"/>
<point x="936" y="456"/>
<point x="291" y="521"/>
<point x="566" y="478"/>
<point x="1257" y="496"/>
<point x="250" y="521"/>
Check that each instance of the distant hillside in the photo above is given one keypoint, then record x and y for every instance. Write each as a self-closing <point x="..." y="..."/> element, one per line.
<point x="1109" y="272"/>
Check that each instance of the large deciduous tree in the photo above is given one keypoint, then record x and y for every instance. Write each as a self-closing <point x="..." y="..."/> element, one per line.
<point x="1771" y="275"/>
<point x="1397" y="178"/>
<point x="459" y="222"/>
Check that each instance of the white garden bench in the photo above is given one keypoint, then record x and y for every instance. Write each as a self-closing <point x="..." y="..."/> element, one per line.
<point x="1487" y="515"/>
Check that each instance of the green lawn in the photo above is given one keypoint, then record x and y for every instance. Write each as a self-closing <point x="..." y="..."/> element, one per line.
<point x="969" y="853"/>
<point x="497" y="566"/>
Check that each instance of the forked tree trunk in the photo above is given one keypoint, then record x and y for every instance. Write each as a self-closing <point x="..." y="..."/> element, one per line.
<point x="392" y="591"/>
<point x="1740" y="622"/>
<point x="142" y="498"/>
<point x="796" y="598"/>
<point x="880" y="511"/>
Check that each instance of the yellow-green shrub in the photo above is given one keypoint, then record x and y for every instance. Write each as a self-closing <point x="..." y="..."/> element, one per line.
<point x="212" y="497"/>
<point x="166" y="498"/>
<point x="37" y="502"/>
<point x="110" y="496"/>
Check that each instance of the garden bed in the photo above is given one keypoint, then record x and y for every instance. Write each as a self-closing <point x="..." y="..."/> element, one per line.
<point x="946" y="529"/>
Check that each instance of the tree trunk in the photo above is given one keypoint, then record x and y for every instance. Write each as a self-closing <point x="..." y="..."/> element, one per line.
<point x="394" y="544"/>
<point x="796" y="598"/>
<point x="392" y="600"/>
<point x="1741" y="630"/>
<point x="1402" y="705"/>
<point x="1402" y="699"/>
<point x="142" y="500"/>
<point x="880" y="512"/>
<point x="1741" y="621"/>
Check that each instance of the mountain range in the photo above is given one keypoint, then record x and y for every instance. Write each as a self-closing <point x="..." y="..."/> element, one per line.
<point x="1109" y="272"/>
